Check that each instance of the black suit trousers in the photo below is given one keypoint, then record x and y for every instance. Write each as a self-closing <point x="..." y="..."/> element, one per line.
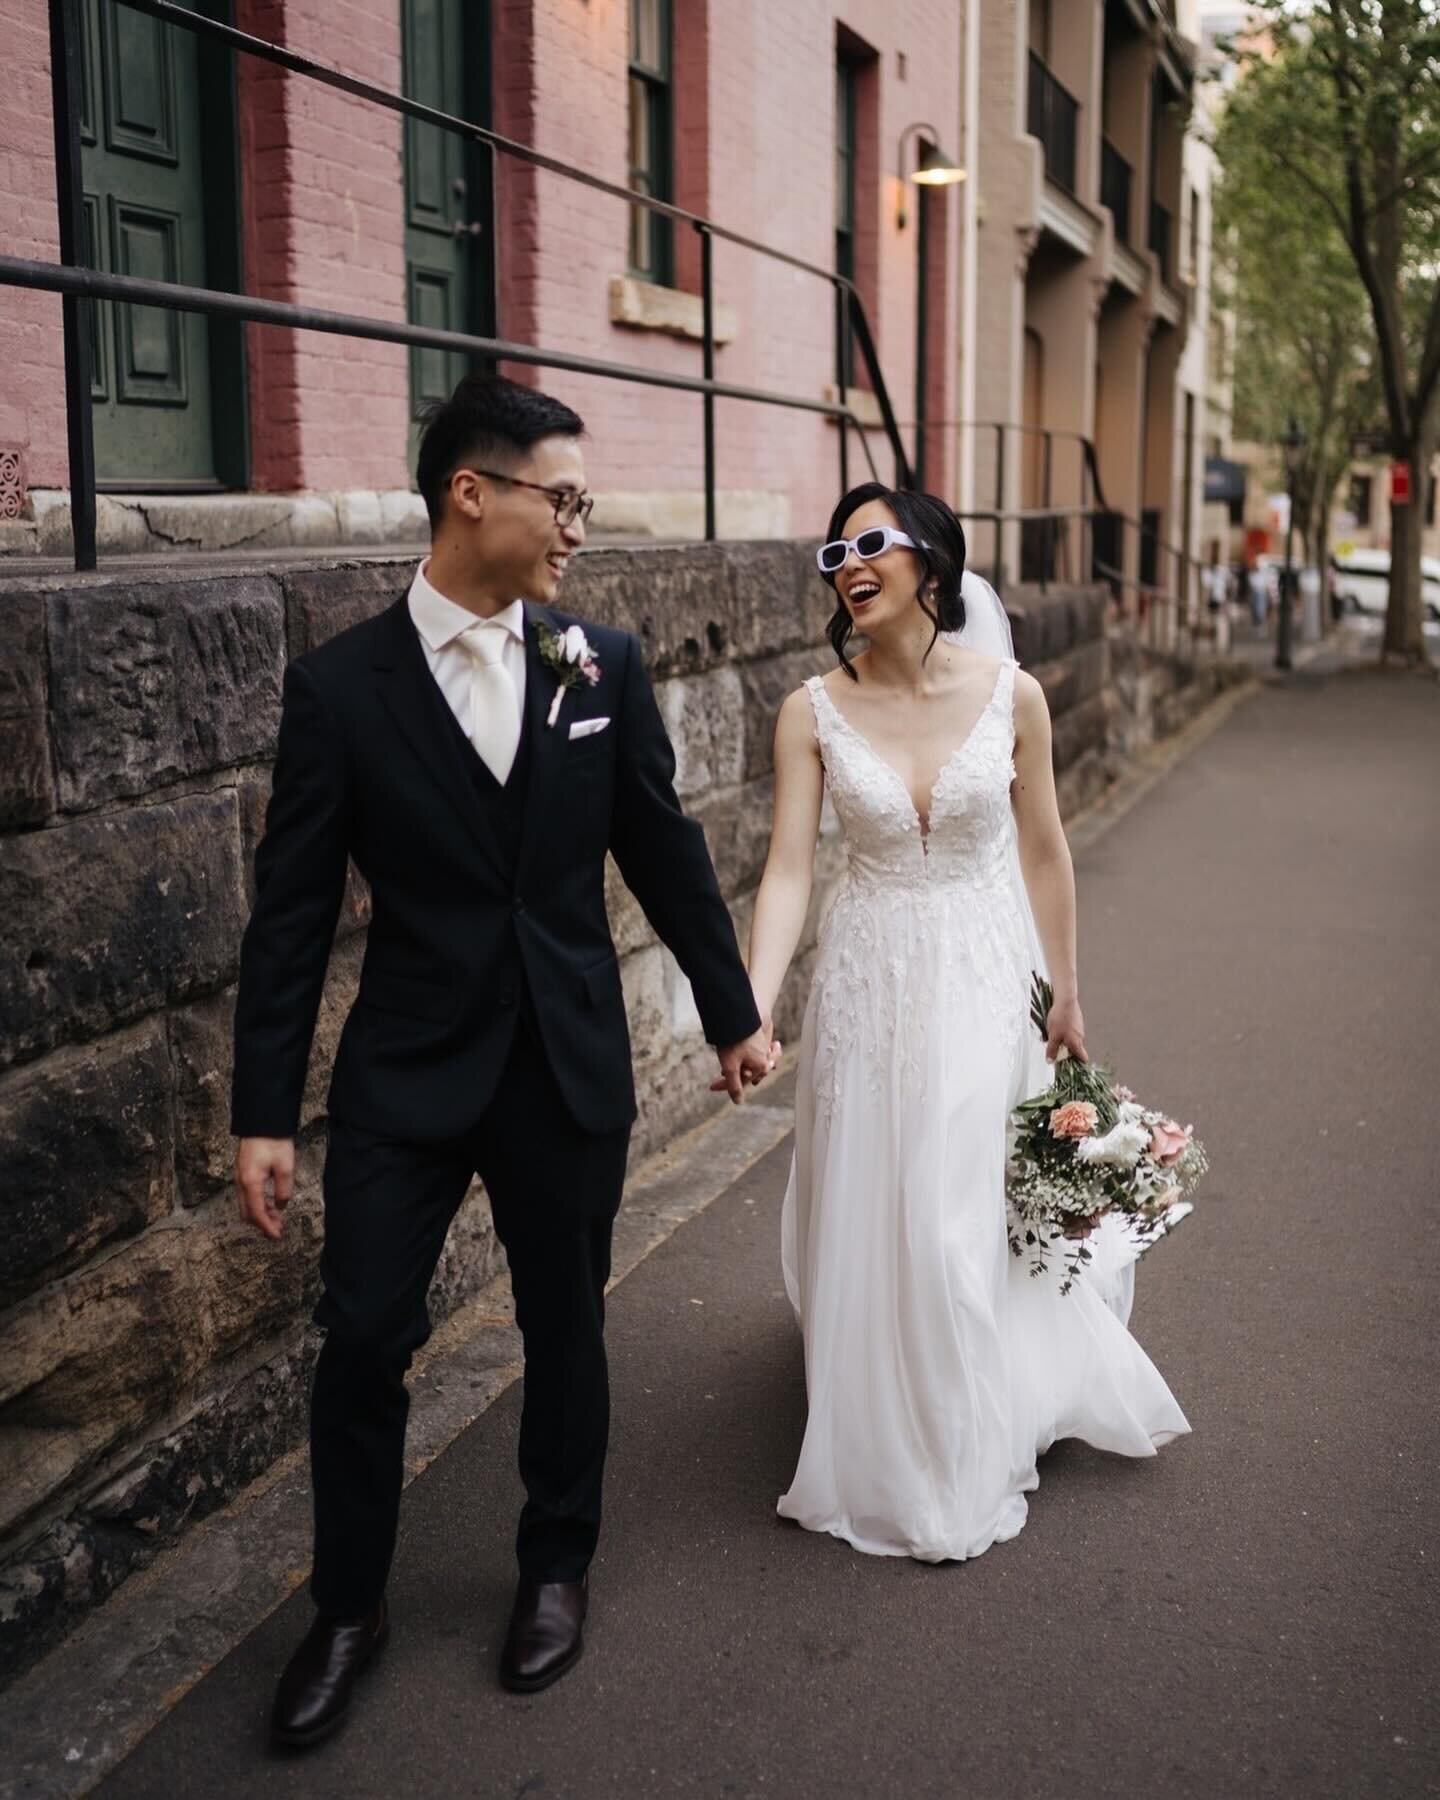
<point x="554" y="1191"/>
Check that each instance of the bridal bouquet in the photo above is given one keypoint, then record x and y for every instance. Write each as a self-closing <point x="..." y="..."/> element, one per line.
<point x="1086" y="1148"/>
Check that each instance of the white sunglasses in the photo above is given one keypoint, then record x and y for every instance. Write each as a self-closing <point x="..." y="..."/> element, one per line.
<point x="833" y="556"/>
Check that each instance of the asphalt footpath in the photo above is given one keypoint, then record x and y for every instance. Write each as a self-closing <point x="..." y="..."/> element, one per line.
<point x="1253" y="1612"/>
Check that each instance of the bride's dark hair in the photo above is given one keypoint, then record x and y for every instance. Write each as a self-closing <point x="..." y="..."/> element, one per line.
<point x="939" y="545"/>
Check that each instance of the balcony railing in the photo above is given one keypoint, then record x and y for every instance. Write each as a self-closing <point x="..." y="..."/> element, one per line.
<point x="1054" y="118"/>
<point x="1160" y="236"/>
<point x="1116" y="176"/>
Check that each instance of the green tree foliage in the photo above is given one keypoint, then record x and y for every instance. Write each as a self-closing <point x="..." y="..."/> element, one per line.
<point x="1338" y="113"/>
<point x="1302" y="359"/>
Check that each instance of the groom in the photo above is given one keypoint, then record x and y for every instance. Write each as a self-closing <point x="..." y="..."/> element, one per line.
<point x="476" y="754"/>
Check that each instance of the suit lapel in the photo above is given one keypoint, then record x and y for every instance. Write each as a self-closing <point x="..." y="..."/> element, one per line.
<point x="547" y="742"/>
<point x="409" y="693"/>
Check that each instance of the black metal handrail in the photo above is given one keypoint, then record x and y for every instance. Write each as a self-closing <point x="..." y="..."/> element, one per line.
<point x="1081" y="539"/>
<point x="1053" y="117"/>
<point x="78" y="283"/>
<point x="1116" y="178"/>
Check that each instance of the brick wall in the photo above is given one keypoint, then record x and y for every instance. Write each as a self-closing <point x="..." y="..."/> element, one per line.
<point x="324" y="225"/>
<point x="322" y="208"/>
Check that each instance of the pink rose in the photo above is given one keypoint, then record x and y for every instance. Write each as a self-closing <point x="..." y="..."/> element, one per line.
<point x="1075" y="1119"/>
<point x="1168" y="1142"/>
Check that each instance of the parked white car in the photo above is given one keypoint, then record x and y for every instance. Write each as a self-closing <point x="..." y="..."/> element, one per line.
<point x="1362" y="582"/>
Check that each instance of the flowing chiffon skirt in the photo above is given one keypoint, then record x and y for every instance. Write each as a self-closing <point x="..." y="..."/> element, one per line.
<point x="937" y="1367"/>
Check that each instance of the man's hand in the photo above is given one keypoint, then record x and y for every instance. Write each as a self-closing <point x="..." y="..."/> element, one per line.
<point x="747" y="1064"/>
<point x="261" y="1164"/>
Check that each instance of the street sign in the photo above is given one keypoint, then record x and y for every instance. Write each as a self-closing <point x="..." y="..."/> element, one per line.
<point x="1400" y="483"/>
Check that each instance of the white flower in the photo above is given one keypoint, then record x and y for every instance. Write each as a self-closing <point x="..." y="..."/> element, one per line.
<point x="1121" y="1146"/>
<point x="574" y="647"/>
<point x="1131" y="1112"/>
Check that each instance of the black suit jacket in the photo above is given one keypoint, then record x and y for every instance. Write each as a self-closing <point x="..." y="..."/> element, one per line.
<point x="370" y="767"/>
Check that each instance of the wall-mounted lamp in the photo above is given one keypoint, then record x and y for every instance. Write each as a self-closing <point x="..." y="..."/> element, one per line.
<point x="935" y="168"/>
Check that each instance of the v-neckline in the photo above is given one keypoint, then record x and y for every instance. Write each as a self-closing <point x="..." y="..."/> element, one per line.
<point x="924" y="821"/>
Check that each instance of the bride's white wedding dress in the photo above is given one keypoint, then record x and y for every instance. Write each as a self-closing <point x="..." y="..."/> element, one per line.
<point x="937" y="1367"/>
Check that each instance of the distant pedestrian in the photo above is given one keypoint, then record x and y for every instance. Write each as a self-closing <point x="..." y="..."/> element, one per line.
<point x="1259" y="586"/>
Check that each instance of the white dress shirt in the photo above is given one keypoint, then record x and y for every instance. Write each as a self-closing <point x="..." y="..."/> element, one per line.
<point x="439" y="622"/>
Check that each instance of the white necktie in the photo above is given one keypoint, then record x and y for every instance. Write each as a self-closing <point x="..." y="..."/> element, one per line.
<point x="494" y="704"/>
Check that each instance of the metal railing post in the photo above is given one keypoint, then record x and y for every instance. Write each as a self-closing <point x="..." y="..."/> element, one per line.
<point x="707" y="294"/>
<point x="66" y="75"/>
<point x="842" y="371"/>
<point x="1000" y="508"/>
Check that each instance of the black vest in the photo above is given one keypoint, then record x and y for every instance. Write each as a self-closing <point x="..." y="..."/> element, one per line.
<point x="506" y="809"/>
<point x="505" y="805"/>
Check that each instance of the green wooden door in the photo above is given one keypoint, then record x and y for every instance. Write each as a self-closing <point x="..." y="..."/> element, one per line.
<point x="449" y="256"/>
<point x="145" y="203"/>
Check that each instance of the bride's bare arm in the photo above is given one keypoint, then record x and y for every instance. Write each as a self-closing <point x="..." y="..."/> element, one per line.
<point x="784" y="896"/>
<point x="1045" y="860"/>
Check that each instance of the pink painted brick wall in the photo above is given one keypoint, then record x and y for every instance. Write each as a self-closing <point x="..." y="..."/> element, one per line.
<point x="770" y="107"/>
<point x="323" y="215"/>
<point x="32" y="386"/>
<point x="325" y="226"/>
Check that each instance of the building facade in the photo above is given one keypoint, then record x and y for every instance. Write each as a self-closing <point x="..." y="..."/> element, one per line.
<point x="1090" y="258"/>
<point x="1039" y="325"/>
<point x="781" y="123"/>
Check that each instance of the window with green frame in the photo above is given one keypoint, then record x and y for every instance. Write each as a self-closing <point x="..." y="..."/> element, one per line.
<point x="651" y="138"/>
<point x="845" y="168"/>
<point x="845" y="183"/>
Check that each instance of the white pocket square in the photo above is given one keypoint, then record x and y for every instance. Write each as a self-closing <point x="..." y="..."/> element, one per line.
<point x="583" y="728"/>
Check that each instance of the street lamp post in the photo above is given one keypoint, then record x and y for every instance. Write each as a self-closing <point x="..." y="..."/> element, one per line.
<point x="1291" y="444"/>
<point x="935" y="169"/>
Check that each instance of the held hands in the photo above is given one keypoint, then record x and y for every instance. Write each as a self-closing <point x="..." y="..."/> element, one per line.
<point x="1065" y="1030"/>
<point x="747" y="1064"/>
<point x="258" y="1162"/>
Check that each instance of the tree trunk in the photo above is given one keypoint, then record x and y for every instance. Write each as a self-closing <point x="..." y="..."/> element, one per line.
<point x="1404" y="616"/>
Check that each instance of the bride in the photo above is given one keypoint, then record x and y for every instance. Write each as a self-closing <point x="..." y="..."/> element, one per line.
<point x="937" y="1368"/>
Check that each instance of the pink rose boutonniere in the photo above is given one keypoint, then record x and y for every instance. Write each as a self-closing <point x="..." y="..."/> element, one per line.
<point x="570" y="657"/>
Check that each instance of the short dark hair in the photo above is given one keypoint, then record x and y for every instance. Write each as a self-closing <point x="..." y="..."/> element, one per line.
<point x="940" y="546"/>
<point x="486" y="420"/>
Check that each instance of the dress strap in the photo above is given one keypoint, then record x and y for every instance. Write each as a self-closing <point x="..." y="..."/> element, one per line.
<point x="819" y="700"/>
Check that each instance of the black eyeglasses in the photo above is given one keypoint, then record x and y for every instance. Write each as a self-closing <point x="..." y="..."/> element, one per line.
<point x="569" y="506"/>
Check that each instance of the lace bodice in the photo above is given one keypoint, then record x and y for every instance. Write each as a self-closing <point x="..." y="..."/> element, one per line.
<point x="922" y="918"/>
<point x="967" y="842"/>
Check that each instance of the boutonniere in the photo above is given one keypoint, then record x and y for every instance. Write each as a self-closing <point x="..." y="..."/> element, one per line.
<point x="570" y="658"/>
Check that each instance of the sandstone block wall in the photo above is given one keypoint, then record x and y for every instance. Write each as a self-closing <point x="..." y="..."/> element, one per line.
<point x="154" y="1355"/>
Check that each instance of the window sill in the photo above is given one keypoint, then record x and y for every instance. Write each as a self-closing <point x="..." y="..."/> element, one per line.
<point x="861" y="402"/>
<point x="643" y="306"/>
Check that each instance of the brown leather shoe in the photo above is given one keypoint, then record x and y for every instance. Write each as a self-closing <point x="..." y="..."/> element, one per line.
<point x="314" y="1692"/>
<point x="545" y="1638"/>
